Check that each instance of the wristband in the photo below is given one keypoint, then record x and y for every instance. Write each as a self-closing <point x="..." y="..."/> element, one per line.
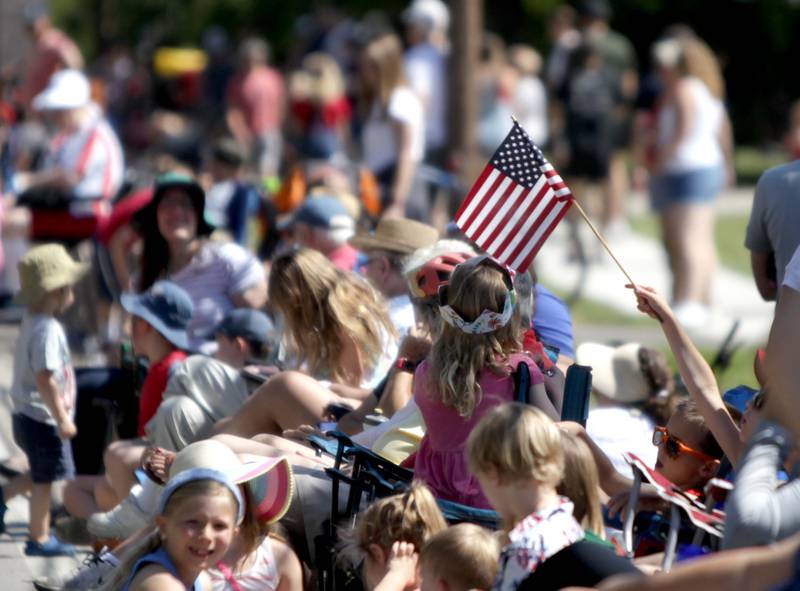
<point x="405" y="364"/>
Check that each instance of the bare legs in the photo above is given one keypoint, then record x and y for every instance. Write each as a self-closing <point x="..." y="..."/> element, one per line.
<point x="121" y="459"/>
<point x="286" y="401"/>
<point x="688" y="231"/>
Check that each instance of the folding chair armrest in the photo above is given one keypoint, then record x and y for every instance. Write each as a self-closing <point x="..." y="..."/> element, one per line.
<point x="630" y="515"/>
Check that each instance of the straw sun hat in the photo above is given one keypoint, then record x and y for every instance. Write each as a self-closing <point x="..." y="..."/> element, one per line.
<point x="396" y="235"/>
<point x="44" y="269"/>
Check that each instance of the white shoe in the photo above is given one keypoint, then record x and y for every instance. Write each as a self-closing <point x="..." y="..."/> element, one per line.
<point x="121" y="522"/>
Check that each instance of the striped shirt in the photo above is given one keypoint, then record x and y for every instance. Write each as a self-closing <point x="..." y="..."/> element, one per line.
<point x="94" y="153"/>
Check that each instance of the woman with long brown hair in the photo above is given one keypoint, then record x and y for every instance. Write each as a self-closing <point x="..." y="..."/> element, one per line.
<point x="392" y="134"/>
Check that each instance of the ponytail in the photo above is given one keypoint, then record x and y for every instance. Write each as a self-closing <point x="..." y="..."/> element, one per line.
<point x="412" y="516"/>
<point x="149" y="543"/>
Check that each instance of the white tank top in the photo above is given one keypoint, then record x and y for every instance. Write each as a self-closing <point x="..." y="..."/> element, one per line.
<point x="261" y="576"/>
<point x="700" y="148"/>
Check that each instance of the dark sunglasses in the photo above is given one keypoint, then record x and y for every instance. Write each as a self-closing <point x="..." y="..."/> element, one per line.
<point x="759" y="400"/>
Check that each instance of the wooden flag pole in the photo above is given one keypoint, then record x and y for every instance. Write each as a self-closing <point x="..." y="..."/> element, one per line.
<point x="601" y="239"/>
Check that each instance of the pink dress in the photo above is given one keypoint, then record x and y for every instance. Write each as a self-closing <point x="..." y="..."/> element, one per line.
<point x="441" y="461"/>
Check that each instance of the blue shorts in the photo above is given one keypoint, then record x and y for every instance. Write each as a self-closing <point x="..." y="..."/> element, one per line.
<point x="49" y="456"/>
<point x="681" y="188"/>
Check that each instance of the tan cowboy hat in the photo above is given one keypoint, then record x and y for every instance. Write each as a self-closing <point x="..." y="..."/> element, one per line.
<point x="396" y="235"/>
<point x="46" y="268"/>
<point x="616" y="371"/>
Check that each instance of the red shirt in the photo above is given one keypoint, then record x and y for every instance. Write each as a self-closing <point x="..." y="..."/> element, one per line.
<point x="154" y="385"/>
<point x="260" y="96"/>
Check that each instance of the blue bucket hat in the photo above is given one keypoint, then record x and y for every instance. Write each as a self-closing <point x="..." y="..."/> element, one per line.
<point x="167" y="307"/>
<point x="251" y="325"/>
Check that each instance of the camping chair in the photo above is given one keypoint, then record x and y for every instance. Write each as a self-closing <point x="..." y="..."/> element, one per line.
<point x="577" y="388"/>
<point x="702" y="515"/>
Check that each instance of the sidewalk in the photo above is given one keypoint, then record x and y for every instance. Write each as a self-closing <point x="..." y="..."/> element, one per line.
<point x="734" y="296"/>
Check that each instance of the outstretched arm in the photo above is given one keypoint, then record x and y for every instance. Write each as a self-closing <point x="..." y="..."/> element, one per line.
<point x="695" y="371"/>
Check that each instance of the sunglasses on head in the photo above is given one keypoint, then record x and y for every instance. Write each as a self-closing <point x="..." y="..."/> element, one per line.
<point x="675" y="447"/>
<point x="759" y="399"/>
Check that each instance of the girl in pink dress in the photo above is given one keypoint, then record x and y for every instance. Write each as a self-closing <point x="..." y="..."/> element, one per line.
<point x="469" y="372"/>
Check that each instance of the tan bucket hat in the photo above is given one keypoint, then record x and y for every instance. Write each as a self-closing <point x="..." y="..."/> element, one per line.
<point x="44" y="269"/>
<point x="616" y="371"/>
<point x="396" y="235"/>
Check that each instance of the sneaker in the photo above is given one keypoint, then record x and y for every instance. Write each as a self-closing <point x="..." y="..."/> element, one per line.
<point x="92" y="574"/>
<point x="51" y="547"/>
<point x="121" y="522"/>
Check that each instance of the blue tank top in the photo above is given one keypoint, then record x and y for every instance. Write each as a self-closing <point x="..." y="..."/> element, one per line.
<point x="161" y="558"/>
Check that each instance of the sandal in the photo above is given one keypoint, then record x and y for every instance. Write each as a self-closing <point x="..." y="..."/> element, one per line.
<point x="156" y="463"/>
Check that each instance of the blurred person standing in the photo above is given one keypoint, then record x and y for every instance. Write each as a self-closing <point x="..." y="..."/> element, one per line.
<point x="425" y="61"/>
<point x="53" y="50"/>
<point x="255" y="106"/>
<point x="83" y="170"/>
<point x="529" y="99"/>
<point x="393" y="128"/>
<point x="616" y="55"/>
<point x="693" y="148"/>
<point x="320" y="111"/>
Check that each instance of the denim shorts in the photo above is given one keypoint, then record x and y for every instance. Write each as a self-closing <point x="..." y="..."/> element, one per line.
<point x="49" y="456"/>
<point x="680" y="188"/>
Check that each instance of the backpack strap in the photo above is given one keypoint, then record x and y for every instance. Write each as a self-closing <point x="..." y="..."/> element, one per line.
<point x="522" y="383"/>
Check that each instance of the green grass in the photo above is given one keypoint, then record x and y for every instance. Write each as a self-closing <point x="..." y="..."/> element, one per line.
<point x="739" y="372"/>
<point x="749" y="162"/>
<point x="729" y="236"/>
<point x="586" y="311"/>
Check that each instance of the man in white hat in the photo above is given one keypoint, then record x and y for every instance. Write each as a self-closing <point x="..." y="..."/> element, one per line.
<point x="83" y="169"/>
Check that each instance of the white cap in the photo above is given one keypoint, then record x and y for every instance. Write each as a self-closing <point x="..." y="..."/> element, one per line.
<point x="67" y="89"/>
<point x="431" y="13"/>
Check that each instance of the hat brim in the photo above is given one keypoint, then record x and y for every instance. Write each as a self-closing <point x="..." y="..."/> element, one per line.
<point x="270" y="483"/>
<point x="372" y="242"/>
<point x="603" y="359"/>
<point x="71" y="276"/>
<point x="146" y="218"/>
<point x="133" y="305"/>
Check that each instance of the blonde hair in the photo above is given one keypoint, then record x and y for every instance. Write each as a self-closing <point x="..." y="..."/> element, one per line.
<point x="152" y="541"/>
<point x="412" y="517"/>
<point x="699" y="61"/>
<point x="516" y="441"/>
<point x="325" y="78"/>
<point x="458" y="358"/>
<point x="465" y="556"/>
<point x="581" y="483"/>
<point x="692" y="57"/>
<point x="385" y="53"/>
<point x="322" y="305"/>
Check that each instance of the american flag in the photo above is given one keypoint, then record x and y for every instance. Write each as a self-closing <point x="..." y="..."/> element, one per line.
<point x="516" y="202"/>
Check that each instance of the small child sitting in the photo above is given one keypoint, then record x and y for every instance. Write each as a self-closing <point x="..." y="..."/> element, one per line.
<point x="460" y="558"/>
<point x="387" y="533"/>
<point x="43" y="390"/>
<point x="160" y="318"/>
<point x="515" y="453"/>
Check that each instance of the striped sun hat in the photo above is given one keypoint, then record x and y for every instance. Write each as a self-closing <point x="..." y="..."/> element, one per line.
<point x="270" y="483"/>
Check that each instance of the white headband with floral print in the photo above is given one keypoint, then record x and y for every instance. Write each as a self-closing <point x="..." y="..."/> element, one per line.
<point x="488" y="320"/>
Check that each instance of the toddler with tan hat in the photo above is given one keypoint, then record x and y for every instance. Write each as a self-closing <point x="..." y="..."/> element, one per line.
<point x="43" y="389"/>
